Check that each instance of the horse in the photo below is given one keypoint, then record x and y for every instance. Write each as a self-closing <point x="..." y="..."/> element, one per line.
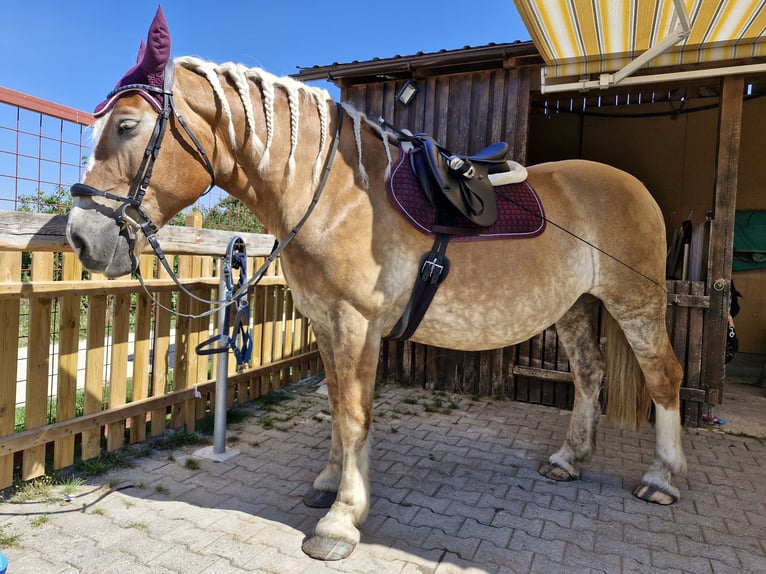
<point x="351" y="259"/>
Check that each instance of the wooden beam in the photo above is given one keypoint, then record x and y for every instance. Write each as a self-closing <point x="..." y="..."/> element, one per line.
<point x="722" y="234"/>
<point x="540" y="373"/>
<point x="28" y="290"/>
<point x="20" y="231"/>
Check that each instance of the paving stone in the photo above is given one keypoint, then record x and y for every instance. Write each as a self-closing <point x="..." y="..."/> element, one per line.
<point x="451" y="493"/>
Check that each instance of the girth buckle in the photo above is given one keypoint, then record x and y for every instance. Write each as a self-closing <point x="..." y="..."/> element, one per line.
<point x="431" y="271"/>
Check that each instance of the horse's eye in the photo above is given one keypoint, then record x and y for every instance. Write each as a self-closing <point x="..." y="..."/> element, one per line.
<point x="126" y="126"/>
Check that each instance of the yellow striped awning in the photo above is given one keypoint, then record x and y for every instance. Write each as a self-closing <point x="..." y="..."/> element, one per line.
<point x="579" y="37"/>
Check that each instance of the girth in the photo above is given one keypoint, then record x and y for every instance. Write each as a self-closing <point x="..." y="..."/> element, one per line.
<point x="451" y="182"/>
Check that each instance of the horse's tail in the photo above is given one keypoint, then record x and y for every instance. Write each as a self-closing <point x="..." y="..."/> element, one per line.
<point x="628" y="403"/>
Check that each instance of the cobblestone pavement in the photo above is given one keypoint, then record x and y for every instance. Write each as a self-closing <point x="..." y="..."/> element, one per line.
<point x="454" y="489"/>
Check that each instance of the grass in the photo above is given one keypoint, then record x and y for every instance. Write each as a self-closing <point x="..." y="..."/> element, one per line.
<point x="46" y="488"/>
<point x="105" y="462"/>
<point x="38" y="521"/>
<point x="8" y="540"/>
<point x="161" y="489"/>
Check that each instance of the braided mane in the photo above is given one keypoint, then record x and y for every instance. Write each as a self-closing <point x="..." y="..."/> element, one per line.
<point x="243" y="79"/>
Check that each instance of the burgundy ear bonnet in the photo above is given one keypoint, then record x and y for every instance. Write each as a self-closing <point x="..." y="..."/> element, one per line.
<point x="149" y="70"/>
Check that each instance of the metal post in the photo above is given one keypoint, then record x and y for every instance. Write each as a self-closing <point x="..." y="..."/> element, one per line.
<point x="218" y="451"/>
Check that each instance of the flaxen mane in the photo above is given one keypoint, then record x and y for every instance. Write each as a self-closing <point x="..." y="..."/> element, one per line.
<point x="243" y="79"/>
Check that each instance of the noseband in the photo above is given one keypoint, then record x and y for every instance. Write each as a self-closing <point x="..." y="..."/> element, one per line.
<point x="140" y="184"/>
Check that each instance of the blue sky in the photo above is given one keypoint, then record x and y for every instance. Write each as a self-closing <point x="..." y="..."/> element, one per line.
<point x="74" y="52"/>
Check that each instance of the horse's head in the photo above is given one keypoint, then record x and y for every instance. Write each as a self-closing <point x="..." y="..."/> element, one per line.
<point x="130" y="189"/>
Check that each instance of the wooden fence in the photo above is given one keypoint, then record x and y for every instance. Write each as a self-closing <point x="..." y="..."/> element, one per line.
<point x="537" y="370"/>
<point x="103" y="365"/>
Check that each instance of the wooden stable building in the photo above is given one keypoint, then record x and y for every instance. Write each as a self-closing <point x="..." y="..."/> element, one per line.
<point x="676" y="101"/>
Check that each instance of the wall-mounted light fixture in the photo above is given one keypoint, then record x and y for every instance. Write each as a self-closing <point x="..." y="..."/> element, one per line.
<point x="408" y="91"/>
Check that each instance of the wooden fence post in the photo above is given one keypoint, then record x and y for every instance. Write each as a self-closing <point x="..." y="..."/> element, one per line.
<point x="69" y="343"/>
<point x="38" y="365"/>
<point x="94" y="370"/>
<point x="141" y="354"/>
<point x="10" y="270"/>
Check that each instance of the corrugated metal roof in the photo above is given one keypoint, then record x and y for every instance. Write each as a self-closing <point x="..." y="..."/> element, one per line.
<point x="424" y="64"/>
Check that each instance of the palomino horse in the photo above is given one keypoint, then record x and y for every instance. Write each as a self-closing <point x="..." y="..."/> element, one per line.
<point x="270" y="142"/>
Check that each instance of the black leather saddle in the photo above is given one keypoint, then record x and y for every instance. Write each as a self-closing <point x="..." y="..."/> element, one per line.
<point x="461" y="180"/>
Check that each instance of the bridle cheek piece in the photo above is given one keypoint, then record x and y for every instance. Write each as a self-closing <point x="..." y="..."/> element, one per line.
<point x="128" y="224"/>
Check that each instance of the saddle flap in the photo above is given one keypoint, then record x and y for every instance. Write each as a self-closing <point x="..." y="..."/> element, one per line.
<point x="467" y="188"/>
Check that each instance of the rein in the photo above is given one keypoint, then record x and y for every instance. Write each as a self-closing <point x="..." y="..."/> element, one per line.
<point x="141" y="183"/>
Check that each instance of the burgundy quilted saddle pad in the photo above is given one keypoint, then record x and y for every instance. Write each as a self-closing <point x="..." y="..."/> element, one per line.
<point x="519" y="211"/>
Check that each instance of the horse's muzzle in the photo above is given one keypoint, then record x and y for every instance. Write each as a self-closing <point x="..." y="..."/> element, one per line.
<point x="99" y="242"/>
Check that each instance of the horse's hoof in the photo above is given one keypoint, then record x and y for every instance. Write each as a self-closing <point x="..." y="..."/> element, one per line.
<point x="319" y="498"/>
<point x="556" y="472"/>
<point x="652" y="493"/>
<point x="323" y="548"/>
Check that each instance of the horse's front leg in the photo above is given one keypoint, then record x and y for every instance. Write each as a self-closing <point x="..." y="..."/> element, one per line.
<point x="324" y="490"/>
<point x="354" y="356"/>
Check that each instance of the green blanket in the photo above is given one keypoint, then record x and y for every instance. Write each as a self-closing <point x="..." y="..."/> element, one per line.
<point x="749" y="240"/>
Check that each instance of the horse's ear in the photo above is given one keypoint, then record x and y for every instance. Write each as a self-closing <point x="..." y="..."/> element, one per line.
<point x="141" y="50"/>
<point x="149" y="70"/>
<point x="157" y="52"/>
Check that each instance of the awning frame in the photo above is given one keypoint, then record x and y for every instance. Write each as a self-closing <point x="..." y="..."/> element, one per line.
<point x="681" y="27"/>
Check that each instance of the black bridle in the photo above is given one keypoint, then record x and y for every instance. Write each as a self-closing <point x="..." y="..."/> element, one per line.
<point x="135" y="197"/>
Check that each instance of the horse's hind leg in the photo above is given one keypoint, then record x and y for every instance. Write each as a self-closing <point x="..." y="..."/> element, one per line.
<point x="643" y="323"/>
<point x="576" y="331"/>
<point x="663" y="376"/>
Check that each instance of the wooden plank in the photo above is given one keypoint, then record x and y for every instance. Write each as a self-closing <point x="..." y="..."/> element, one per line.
<point x="10" y="270"/>
<point x="459" y="129"/>
<point x="479" y="111"/>
<point x="523" y="359"/>
<point x="21" y="231"/>
<point x="205" y="369"/>
<point x="182" y="348"/>
<point x="485" y="370"/>
<point x="38" y="364"/>
<point x="681" y="324"/>
<point x="69" y="342"/>
<point x="407" y="357"/>
<point x="693" y="408"/>
<point x="689" y="300"/>
<point x="141" y="350"/>
<point x="269" y="328"/>
<point x="545" y="374"/>
<point x="279" y="324"/>
<point x="442" y="110"/>
<point x="258" y="310"/>
<point x="161" y="355"/>
<point x="193" y="360"/>
<point x="549" y="361"/>
<point x="536" y="360"/>
<point x="498" y="389"/>
<point x="517" y="113"/>
<point x="118" y="369"/>
<point x="94" y="372"/>
<point x="26" y="290"/>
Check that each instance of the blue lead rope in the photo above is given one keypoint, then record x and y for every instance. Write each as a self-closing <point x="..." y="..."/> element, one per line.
<point x="238" y="339"/>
